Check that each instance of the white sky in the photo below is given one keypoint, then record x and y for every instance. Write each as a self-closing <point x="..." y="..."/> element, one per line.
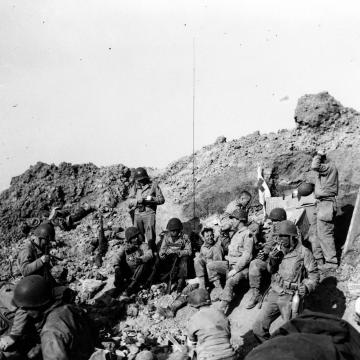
<point x="111" y="81"/>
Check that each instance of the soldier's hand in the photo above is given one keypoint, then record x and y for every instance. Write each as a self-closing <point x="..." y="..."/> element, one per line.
<point x="261" y="255"/>
<point x="231" y="273"/>
<point x="5" y="342"/>
<point x="45" y="259"/>
<point x="302" y="290"/>
<point x="138" y="261"/>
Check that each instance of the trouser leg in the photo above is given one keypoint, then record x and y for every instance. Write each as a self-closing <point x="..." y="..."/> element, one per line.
<point x="325" y="230"/>
<point x="200" y="266"/>
<point x="257" y="269"/>
<point x="269" y="313"/>
<point x="313" y="234"/>
<point x="231" y="282"/>
<point x="139" y="223"/>
<point x="216" y="269"/>
<point x="284" y="302"/>
<point x="149" y="221"/>
<point x="122" y="275"/>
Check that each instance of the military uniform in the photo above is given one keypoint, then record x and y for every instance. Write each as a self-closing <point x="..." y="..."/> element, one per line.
<point x="145" y="210"/>
<point x="207" y="254"/>
<point x="326" y="189"/>
<point x="284" y="283"/>
<point x="240" y="254"/>
<point x="132" y="263"/>
<point x="211" y="330"/>
<point x="170" y="251"/>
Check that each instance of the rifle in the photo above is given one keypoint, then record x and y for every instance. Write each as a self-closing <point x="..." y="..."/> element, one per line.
<point x="171" y="274"/>
<point x="44" y="253"/>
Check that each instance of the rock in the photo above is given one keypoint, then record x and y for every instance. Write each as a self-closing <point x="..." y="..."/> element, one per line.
<point x="220" y="140"/>
<point x="89" y="287"/>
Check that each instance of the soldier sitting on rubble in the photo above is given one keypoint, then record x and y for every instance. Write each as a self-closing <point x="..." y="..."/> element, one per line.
<point x="242" y="203"/>
<point x="34" y="258"/>
<point x="295" y="274"/>
<point x="133" y="262"/>
<point x="235" y="267"/>
<point x="63" y="330"/>
<point x="208" y="330"/>
<point x="209" y="251"/>
<point x="258" y="266"/>
<point x="174" y="255"/>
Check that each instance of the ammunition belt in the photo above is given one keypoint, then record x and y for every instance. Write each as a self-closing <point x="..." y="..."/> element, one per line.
<point x="286" y="285"/>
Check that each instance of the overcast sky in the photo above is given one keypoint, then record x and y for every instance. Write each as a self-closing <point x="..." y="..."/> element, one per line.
<point x="111" y="81"/>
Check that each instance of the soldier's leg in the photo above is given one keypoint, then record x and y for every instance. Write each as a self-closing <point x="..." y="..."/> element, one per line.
<point x="149" y="222"/>
<point x="325" y="229"/>
<point x="216" y="269"/>
<point x="200" y="266"/>
<point x="122" y="275"/>
<point x="228" y="292"/>
<point x="313" y="235"/>
<point x="269" y="312"/>
<point x="257" y="269"/>
<point x="183" y="271"/>
<point x="139" y="223"/>
<point x="284" y="302"/>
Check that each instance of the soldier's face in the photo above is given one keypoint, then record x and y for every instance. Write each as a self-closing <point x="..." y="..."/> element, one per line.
<point x="244" y="199"/>
<point x="209" y="237"/>
<point x="174" y="233"/>
<point x="34" y="313"/>
<point x="234" y="223"/>
<point x="42" y="243"/>
<point x="284" y="241"/>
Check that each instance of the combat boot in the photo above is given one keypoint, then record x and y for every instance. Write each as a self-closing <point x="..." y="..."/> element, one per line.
<point x="255" y="298"/>
<point x="170" y="311"/>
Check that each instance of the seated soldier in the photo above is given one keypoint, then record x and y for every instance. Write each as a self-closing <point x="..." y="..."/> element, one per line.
<point x="133" y="262"/>
<point x="224" y="239"/>
<point x="209" y="251"/>
<point x="174" y="254"/>
<point x="258" y="266"/>
<point x="242" y="203"/>
<point x="34" y="257"/>
<point x="294" y="272"/>
<point x="63" y="330"/>
<point x="208" y="329"/>
<point x="237" y="261"/>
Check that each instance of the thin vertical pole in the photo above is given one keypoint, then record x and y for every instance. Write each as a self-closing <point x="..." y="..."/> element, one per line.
<point x="193" y="130"/>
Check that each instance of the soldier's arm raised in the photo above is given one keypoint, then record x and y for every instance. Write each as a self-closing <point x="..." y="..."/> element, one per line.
<point x="316" y="165"/>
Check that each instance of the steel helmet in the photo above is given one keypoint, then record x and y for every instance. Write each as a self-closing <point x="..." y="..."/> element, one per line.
<point x="288" y="228"/>
<point x="305" y="189"/>
<point x="239" y="214"/>
<point x="140" y="174"/>
<point x="174" y="224"/>
<point x="145" y="355"/>
<point x="199" y="297"/>
<point x="32" y="291"/>
<point x="277" y="214"/>
<point x="131" y="232"/>
<point x="45" y="231"/>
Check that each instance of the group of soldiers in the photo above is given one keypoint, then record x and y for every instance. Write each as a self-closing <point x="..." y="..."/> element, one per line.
<point x="270" y="259"/>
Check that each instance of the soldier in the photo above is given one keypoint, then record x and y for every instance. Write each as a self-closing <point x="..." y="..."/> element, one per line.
<point x="209" y="329"/>
<point x="326" y="189"/>
<point x="294" y="272"/>
<point x="147" y="196"/>
<point x="133" y="262"/>
<point x="258" y="266"/>
<point x="242" y="203"/>
<point x="210" y="251"/>
<point x="311" y="336"/>
<point x="175" y="253"/>
<point x="34" y="258"/>
<point x="238" y="259"/>
<point x="64" y="330"/>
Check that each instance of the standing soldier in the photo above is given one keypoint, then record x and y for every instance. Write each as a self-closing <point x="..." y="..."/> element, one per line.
<point x="209" y="329"/>
<point x="147" y="196"/>
<point x="133" y="262"/>
<point x="209" y="251"/>
<point x="175" y="253"/>
<point x="326" y="189"/>
<point x="294" y="274"/>
<point x="238" y="259"/>
<point x="258" y="266"/>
